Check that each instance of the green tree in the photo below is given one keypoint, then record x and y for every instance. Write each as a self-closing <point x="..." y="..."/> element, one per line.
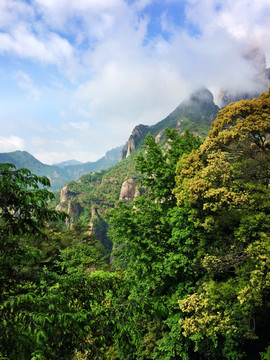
<point x="225" y="187"/>
<point x="38" y="320"/>
<point x="153" y="254"/>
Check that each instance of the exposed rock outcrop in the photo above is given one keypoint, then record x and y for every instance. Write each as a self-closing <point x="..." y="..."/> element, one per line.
<point x="67" y="203"/>
<point x="66" y="194"/>
<point x="137" y="134"/>
<point x="128" y="190"/>
<point x="94" y="214"/>
<point x="61" y="207"/>
<point x="74" y="210"/>
<point x="160" y="135"/>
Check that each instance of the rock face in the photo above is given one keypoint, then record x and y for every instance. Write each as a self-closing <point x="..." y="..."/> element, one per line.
<point x="66" y="194"/>
<point x="226" y="97"/>
<point x="94" y="214"/>
<point x="137" y="134"/>
<point x="202" y="96"/>
<point x="160" y="135"/>
<point x="128" y="190"/>
<point x="74" y="209"/>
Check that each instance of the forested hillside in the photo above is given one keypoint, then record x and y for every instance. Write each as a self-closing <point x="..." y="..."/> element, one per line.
<point x="90" y="198"/>
<point x="190" y="276"/>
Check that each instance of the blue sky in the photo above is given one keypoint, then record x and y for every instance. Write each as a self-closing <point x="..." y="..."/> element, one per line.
<point x="76" y="76"/>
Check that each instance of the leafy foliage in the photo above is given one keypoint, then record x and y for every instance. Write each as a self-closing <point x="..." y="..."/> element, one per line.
<point x="148" y="247"/>
<point x="197" y="238"/>
<point x="225" y="185"/>
<point x="39" y="320"/>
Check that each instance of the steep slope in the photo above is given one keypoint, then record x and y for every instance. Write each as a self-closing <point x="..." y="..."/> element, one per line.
<point x="89" y="198"/>
<point x="195" y="114"/>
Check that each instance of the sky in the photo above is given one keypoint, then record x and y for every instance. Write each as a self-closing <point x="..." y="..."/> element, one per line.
<point x="76" y="76"/>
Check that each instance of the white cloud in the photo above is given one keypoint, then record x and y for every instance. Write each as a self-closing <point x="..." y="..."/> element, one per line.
<point x="92" y="17"/>
<point x="121" y="75"/>
<point x="13" y="10"/>
<point x="47" y="48"/>
<point x="244" y="20"/>
<point x="130" y="93"/>
<point x="11" y="143"/>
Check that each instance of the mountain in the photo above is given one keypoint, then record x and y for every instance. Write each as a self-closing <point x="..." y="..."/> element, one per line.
<point x="68" y="163"/>
<point x="22" y="159"/>
<point x="59" y="175"/>
<point x="93" y="195"/>
<point x="194" y="114"/>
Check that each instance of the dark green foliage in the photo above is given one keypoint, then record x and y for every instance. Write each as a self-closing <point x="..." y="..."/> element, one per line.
<point x="158" y="166"/>
<point x="38" y="319"/>
<point x="156" y="256"/>
<point x="22" y="203"/>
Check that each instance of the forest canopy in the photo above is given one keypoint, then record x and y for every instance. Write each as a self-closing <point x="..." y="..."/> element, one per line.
<point x="189" y="277"/>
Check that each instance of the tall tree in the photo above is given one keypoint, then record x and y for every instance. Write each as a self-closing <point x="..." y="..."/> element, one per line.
<point x="225" y="186"/>
<point x="37" y="318"/>
<point x="152" y="253"/>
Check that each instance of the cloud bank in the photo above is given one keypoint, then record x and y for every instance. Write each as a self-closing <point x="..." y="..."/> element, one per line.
<point x="93" y="69"/>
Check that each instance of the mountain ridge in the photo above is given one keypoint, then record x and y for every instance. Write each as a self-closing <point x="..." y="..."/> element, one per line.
<point x="63" y="164"/>
<point x="194" y="114"/>
<point x="59" y="176"/>
<point x="90" y="198"/>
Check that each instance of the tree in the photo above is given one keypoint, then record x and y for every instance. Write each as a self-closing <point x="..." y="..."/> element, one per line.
<point x="225" y="187"/>
<point x="158" y="164"/>
<point x="36" y="319"/>
<point x="23" y="213"/>
<point x="153" y="253"/>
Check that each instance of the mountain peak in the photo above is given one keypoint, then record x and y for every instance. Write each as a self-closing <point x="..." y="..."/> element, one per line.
<point x="68" y="163"/>
<point x="202" y="95"/>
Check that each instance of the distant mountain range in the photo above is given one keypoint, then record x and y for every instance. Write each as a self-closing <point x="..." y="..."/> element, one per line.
<point x="68" y="163"/>
<point x="195" y="114"/>
<point x="92" y="192"/>
<point x="89" y="199"/>
<point x="60" y="174"/>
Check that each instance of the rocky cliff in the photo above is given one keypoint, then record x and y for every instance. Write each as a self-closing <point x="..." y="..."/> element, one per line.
<point x="134" y="140"/>
<point x="129" y="190"/>
<point x="194" y="114"/>
<point x="96" y="193"/>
